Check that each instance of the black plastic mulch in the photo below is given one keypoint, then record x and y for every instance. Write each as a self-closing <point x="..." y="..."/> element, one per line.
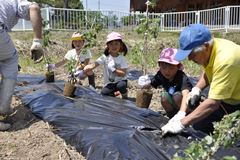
<point x="104" y="127"/>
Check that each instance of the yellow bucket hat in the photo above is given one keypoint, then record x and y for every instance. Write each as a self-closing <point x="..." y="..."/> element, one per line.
<point x="77" y="36"/>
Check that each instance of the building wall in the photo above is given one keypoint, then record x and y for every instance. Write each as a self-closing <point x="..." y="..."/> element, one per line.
<point x="138" y="5"/>
<point x="180" y="5"/>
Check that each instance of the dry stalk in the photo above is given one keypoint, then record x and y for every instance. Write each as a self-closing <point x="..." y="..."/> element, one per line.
<point x="145" y="48"/>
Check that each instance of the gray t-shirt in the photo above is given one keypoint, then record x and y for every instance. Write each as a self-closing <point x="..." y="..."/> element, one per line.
<point x="120" y="62"/>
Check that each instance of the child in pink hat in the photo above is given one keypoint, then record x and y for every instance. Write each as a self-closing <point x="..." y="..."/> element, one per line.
<point x="114" y="66"/>
<point x="175" y="83"/>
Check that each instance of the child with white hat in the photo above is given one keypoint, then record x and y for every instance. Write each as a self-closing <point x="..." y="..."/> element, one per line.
<point x="115" y="66"/>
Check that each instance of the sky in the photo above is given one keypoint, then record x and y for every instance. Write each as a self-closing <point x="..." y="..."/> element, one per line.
<point x="114" y="5"/>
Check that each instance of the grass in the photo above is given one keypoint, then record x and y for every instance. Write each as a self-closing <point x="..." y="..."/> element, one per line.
<point x="60" y="43"/>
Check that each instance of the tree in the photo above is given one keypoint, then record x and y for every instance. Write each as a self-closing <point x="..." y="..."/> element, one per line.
<point x="65" y="4"/>
<point x="73" y="4"/>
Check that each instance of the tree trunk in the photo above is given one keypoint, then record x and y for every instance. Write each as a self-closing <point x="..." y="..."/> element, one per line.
<point x="66" y="4"/>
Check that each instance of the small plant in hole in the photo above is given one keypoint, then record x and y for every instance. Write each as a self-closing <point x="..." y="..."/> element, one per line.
<point x="69" y="87"/>
<point x="71" y="68"/>
<point x="50" y="73"/>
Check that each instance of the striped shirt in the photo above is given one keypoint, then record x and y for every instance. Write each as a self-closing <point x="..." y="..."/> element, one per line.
<point x="12" y="10"/>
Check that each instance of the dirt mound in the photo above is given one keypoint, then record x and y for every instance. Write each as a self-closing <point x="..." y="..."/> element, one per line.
<point x="31" y="138"/>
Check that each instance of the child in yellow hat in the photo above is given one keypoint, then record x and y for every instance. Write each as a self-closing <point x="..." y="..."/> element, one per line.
<point x="81" y="58"/>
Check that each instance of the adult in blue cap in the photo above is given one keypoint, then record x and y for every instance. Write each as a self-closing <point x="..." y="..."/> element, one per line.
<point x="220" y="59"/>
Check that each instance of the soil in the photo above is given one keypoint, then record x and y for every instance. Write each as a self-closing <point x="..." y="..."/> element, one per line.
<point x="32" y="138"/>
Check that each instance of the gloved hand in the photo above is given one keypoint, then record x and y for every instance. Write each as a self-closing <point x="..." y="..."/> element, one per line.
<point x="143" y="81"/>
<point x="79" y="74"/>
<point x="172" y="127"/>
<point x="111" y="65"/>
<point x="177" y="117"/>
<point x="50" y="67"/>
<point x="194" y="97"/>
<point x="37" y="50"/>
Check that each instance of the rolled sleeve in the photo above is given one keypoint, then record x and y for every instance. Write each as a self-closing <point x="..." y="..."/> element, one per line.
<point x="23" y="9"/>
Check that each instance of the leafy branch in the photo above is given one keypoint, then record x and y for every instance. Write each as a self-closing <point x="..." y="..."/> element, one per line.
<point x="225" y="134"/>
<point x="149" y="25"/>
<point x="152" y="26"/>
<point x="46" y="34"/>
<point x="71" y="68"/>
<point x="46" y="37"/>
<point x="90" y="36"/>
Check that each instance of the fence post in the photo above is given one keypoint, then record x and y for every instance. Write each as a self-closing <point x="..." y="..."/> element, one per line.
<point x="162" y="22"/>
<point x="47" y="27"/>
<point x="227" y="18"/>
<point x="197" y="16"/>
<point x="23" y="24"/>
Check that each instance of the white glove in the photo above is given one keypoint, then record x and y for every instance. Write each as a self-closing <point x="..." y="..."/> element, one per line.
<point x="37" y="50"/>
<point x="50" y="66"/>
<point x="36" y="44"/>
<point x="79" y="74"/>
<point x="177" y="117"/>
<point x="172" y="127"/>
<point x="111" y="65"/>
<point x="196" y="92"/>
<point x="143" y="81"/>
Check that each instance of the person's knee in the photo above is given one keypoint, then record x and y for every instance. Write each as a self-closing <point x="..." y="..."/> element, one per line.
<point x="164" y="100"/>
<point x="177" y="99"/>
<point x="107" y="92"/>
<point x="167" y="105"/>
<point x="103" y="93"/>
<point x="122" y="86"/>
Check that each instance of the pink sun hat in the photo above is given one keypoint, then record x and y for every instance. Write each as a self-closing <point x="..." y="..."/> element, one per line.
<point x="167" y="55"/>
<point x="113" y="36"/>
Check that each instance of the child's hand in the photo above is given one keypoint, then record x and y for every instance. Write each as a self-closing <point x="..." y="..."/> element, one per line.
<point x="87" y="68"/>
<point x="144" y="81"/>
<point x="80" y="67"/>
<point x="50" y="66"/>
<point x="111" y="65"/>
<point x="79" y="74"/>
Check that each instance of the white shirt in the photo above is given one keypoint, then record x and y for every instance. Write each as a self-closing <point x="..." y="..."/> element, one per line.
<point x="120" y="62"/>
<point x="12" y="10"/>
<point x="72" y="54"/>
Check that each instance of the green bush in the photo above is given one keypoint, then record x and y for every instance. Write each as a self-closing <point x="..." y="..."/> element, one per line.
<point x="226" y="133"/>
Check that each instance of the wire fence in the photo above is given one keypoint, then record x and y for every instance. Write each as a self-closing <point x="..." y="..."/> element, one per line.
<point x="59" y="19"/>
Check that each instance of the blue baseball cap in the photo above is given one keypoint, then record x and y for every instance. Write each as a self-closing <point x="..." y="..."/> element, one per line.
<point x="192" y="36"/>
